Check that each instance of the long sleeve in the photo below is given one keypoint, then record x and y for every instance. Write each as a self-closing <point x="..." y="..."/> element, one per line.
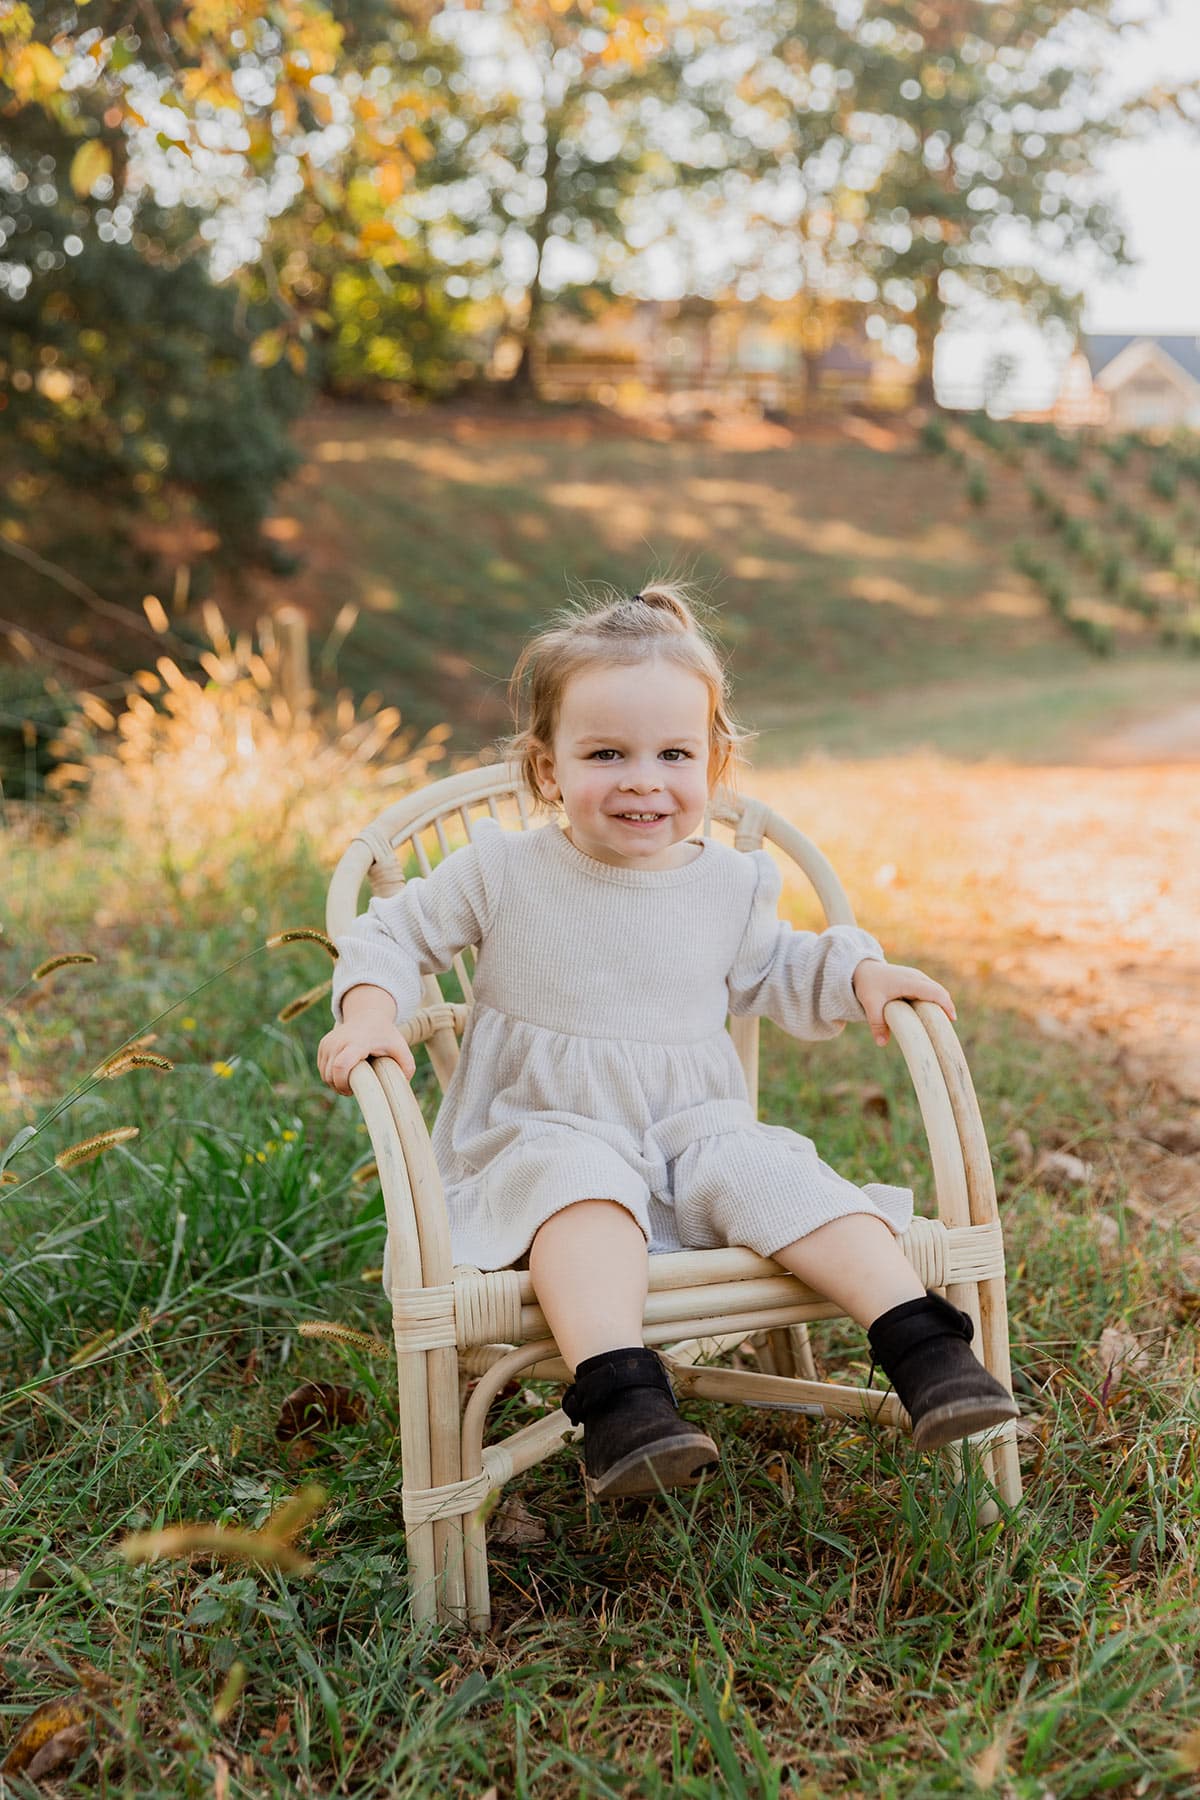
<point x="420" y="930"/>
<point x="800" y="979"/>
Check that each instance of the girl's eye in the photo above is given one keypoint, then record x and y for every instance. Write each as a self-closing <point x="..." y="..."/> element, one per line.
<point x="686" y="754"/>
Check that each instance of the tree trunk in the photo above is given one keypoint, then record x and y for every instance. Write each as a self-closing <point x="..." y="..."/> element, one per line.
<point x="521" y="383"/>
<point x="927" y="322"/>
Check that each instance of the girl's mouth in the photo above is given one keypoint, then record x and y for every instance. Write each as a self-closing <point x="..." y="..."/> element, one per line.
<point x="639" y="818"/>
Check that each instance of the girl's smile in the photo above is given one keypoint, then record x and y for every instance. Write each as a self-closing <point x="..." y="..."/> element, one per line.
<point x="630" y="761"/>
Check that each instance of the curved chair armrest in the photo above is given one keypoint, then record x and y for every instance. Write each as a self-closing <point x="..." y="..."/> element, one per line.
<point x="937" y="1113"/>
<point x="981" y="1184"/>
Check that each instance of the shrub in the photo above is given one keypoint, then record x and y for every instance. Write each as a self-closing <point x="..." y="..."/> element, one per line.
<point x="1099" y="486"/>
<point x="1064" y="452"/>
<point x="1093" y="633"/>
<point x="1163" y="479"/>
<point x="933" y="435"/>
<point x="977" y="487"/>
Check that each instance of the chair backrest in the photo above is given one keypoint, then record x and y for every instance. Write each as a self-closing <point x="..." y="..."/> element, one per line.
<point x="422" y="827"/>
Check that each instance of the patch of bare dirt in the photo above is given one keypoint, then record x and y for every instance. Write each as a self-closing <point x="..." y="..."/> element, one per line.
<point x="1070" y="893"/>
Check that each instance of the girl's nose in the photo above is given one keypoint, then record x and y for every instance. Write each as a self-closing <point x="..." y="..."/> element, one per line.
<point x="640" y="779"/>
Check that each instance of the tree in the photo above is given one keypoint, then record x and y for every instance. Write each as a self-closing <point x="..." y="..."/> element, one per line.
<point x="182" y="181"/>
<point x="957" y="145"/>
<point x="564" y="105"/>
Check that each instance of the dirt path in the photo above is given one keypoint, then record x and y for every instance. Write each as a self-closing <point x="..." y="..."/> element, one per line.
<point x="1071" y="893"/>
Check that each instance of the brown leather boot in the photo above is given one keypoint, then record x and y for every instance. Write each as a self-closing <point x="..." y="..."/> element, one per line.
<point x="634" y="1441"/>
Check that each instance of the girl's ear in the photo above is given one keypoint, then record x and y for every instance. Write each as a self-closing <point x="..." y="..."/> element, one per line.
<point x="543" y="768"/>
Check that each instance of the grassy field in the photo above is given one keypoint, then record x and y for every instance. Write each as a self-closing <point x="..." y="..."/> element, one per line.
<point x="833" y="1619"/>
<point x="823" y="1617"/>
<point x="864" y="601"/>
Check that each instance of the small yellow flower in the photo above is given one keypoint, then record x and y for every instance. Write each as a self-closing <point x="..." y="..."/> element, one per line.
<point x="224" y="1069"/>
<point x="260" y="1156"/>
<point x="189" y="1024"/>
<point x="289" y="1137"/>
<point x="249" y="1156"/>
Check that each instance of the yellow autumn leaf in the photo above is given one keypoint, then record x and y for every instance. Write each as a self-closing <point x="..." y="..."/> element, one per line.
<point x="36" y="70"/>
<point x="267" y="349"/>
<point x="389" y="179"/>
<point x="416" y="143"/>
<point x="90" y="164"/>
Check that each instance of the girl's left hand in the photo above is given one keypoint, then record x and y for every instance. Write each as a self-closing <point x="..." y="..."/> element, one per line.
<point x="876" y="983"/>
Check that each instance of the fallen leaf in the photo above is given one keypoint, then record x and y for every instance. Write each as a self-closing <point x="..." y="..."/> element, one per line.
<point x="1187" y="1753"/>
<point x="871" y="1098"/>
<point x="318" y="1406"/>
<point x="44" y="1724"/>
<point x="1059" y="1169"/>
<point x="513" y="1523"/>
<point x="62" y="1748"/>
<point x="1021" y="1145"/>
<point x="1120" y="1352"/>
<point x="987" y="1765"/>
<point x="776" y="1470"/>
<point x="1180" y="1136"/>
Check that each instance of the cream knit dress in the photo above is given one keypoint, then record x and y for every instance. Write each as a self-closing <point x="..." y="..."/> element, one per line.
<point x="596" y="1063"/>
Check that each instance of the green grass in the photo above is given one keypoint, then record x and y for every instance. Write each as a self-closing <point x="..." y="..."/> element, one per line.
<point x="843" y="577"/>
<point x="825" y="1617"/>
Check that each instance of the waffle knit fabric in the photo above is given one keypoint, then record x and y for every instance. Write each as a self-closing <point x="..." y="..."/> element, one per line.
<point x="596" y="1063"/>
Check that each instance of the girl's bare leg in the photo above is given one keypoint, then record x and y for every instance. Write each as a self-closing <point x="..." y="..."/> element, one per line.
<point x="855" y="1261"/>
<point x="588" y="1264"/>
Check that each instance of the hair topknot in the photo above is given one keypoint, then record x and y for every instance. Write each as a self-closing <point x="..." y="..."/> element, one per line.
<point x="613" y="632"/>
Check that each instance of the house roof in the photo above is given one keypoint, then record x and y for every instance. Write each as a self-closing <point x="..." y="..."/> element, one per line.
<point x="1185" y="351"/>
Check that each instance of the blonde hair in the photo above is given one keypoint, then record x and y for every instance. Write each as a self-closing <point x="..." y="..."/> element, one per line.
<point x="657" y="622"/>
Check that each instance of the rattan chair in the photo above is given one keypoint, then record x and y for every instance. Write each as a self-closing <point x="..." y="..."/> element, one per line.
<point x="452" y="1324"/>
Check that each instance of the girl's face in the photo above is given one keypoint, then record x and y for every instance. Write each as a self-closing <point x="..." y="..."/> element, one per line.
<point x="631" y="741"/>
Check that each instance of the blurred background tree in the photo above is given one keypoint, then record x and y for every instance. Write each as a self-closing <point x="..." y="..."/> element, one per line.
<point x="945" y="152"/>
<point x="183" y="184"/>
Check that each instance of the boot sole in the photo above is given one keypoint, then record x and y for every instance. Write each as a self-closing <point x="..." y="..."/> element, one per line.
<point x="673" y="1462"/>
<point x="960" y="1419"/>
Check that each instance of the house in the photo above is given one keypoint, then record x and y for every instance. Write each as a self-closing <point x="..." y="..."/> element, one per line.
<point x="1142" y="382"/>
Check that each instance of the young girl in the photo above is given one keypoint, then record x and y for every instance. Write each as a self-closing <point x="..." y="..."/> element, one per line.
<point x="598" y="1111"/>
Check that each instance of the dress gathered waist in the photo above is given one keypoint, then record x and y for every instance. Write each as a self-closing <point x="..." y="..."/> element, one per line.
<point x="622" y="1038"/>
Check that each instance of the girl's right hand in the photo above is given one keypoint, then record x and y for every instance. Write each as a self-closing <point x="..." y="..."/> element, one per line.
<point x="343" y="1048"/>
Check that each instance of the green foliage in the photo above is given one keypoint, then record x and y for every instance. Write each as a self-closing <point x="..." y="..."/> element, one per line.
<point x="1080" y="539"/>
<point x="933" y="435"/>
<point x="1063" y="451"/>
<point x="1099" y="486"/>
<point x="1163" y="478"/>
<point x="1094" y="634"/>
<point x="395" y="328"/>
<point x="977" y="486"/>
<point x="99" y="398"/>
<point x="1117" y="450"/>
<point x="1156" y="539"/>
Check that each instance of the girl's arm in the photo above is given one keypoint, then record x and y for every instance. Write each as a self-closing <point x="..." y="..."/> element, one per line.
<point x="420" y="930"/>
<point x="803" y="980"/>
